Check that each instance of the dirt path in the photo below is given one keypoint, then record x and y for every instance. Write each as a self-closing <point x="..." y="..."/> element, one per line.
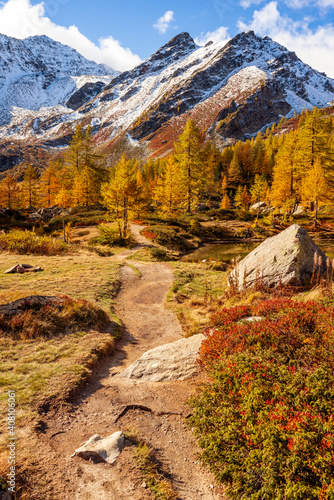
<point x="140" y="305"/>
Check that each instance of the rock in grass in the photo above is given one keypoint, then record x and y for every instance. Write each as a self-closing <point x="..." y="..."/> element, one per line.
<point x="20" y="305"/>
<point x="108" y="448"/>
<point x="23" y="268"/>
<point x="289" y="258"/>
<point x="174" y="361"/>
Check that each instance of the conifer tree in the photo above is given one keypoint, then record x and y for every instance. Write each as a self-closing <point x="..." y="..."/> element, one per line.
<point x="242" y="198"/>
<point x="169" y="192"/>
<point x="9" y="193"/>
<point x="258" y="191"/>
<point x="50" y="185"/>
<point x="122" y="194"/>
<point x="226" y="202"/>
<point x="30" y="186"/>
<point x="286" y="175"/>
<point x="315" y="187"/>
<point x="189" y="159"/>
<point x="235" y="174"/>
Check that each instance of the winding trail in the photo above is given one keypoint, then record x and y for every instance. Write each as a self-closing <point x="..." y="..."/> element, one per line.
<point x="140" y="305"/>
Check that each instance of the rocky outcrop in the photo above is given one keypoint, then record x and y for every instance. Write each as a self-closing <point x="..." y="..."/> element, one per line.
<point x="108" y="448"/>
<point x="290" y="258"/>
<point x="31" y="302"/>
<point x="174" y="361"/>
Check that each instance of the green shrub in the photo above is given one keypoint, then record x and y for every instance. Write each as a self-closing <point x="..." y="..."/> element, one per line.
<point x="265" y="421"/>
<point x="158" y="253"/>
<point x="27" y="242"/>
<point x="194" y="227"/>
<point x="83" y="233"/>
<point x="109" y="236"/>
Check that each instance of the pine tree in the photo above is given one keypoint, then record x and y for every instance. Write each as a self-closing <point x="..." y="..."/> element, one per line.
<point x="189" y="159"/>
<point x="85" y="168"/>
<point x="235" y="174"/>
<point x="242" y="198"/>
<point x="315" y="187"/>
<point x="286" y="174"/>
<point x="50" y="185"/>
<point x="30" y="186"/>
<point x="226" y="202"/>
<point x="258" y="191"/>
<point x="9" y="193"/>
<point x="122" y="194"/>
<point x="169" y="192"/>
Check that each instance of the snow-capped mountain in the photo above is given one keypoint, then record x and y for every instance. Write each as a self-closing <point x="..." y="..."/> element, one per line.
<point x="230" y="90"/>
<point x="38" y="71"/>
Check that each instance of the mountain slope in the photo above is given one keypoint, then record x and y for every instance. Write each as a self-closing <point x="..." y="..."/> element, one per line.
<point x="230" y="90"/>
<point x="38" y="71"/>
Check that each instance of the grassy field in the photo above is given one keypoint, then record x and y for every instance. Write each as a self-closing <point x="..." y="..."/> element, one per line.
<point x="46" y="369"/>
<point x="197" y="292"/>
<point x="82" y="275"/>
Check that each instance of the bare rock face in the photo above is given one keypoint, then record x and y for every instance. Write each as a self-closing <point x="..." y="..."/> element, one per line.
<point x="108" y="448"/>
<point x="174" y="361"/>
<point x="290" y="258"/>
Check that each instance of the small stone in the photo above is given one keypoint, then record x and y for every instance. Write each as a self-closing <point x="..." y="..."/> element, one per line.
<point x="108" y="448"/>
<point x="143" y="484"/>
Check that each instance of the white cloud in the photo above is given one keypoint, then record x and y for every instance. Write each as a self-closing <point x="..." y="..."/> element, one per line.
<point x="220" y="35"/>
<point x="297" y="4"/>
<point x="315" y="47"/>
<point x="247" y="3"/>
<point x="294" y="4"/>
<point x="325" y="4"/>
<point x="164" y="21"/>
<point x="20" y="19"/>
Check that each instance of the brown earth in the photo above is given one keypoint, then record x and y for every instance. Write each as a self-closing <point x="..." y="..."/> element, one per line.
<point x="147" y="324"/>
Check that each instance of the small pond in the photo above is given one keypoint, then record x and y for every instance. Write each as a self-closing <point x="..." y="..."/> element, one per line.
<point x="229" y="251"/>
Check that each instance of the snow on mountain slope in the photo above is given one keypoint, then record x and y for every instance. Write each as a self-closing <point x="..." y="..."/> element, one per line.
<point x="231" y="90"/>
<point x="38" y="71"/>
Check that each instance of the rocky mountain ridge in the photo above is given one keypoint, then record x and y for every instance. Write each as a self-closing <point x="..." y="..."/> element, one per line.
<point x="39" y="72"/>
<point x="231" y="91"/>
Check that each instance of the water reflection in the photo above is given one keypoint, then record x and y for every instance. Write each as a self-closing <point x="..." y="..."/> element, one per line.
<point x="229" y="251"/>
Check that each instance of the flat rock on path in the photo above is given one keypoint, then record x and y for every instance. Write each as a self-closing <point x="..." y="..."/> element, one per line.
<point x="173" y="361"/>
<point x="99" y="409"/>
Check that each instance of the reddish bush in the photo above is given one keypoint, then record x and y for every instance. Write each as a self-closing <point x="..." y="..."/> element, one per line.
<point x="266" y="419"/>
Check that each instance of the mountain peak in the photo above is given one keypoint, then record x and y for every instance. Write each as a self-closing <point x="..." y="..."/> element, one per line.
<point x="182" y="39"/>
<point x="178" y="47"/>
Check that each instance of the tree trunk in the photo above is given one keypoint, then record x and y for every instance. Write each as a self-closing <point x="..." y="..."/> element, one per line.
<point x="315" y="220"/>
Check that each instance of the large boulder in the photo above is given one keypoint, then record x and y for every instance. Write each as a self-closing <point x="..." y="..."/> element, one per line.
<point x="290" y="258"/>
<point x="174" y="361"/>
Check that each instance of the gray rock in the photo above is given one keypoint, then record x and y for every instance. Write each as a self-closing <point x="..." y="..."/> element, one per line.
<point x="108" y="448"/>
<point x="251" y="319"/>
<point x="23" y="268"/>
<point x="174" y="361"/>
<point x="12" y="269"/>
<point x="260" y="205"/>
<point x="289" y="258"/>
<point x="20" y="305"/>
<point x="298" y="211"/>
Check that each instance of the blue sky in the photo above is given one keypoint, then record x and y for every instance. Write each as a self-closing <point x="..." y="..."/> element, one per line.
<point x="123" y="33"/>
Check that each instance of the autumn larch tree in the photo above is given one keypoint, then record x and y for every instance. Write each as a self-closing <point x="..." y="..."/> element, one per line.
<point x="122" y="194"/>
<point x="189" y="158"/>
<point x="30" y="186"/>
<point x="9" y="191"/>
